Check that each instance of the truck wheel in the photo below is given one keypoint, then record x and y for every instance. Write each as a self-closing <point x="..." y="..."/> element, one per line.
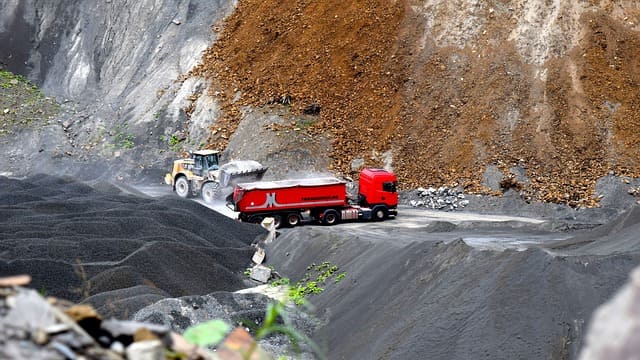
<point x="379" y="213"/>
<point x="277" y="221"/>
<point x="255" y="219"/>
<point x="330" y="217"/>
<point x="210" y="191"/>
<point x="182" y="187"/>
<point x="293" y="219"/>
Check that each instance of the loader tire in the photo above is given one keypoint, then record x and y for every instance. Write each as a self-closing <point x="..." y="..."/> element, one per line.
<point x="182" y="187"/>
<point x="210" y="192"/>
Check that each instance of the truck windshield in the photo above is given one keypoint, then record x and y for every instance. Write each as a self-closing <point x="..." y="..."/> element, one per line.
<point x="389" y="186"/>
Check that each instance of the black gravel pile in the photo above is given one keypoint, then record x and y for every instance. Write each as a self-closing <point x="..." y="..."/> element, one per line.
<point x="431" y="300"/>
<point x="118" y="251"/>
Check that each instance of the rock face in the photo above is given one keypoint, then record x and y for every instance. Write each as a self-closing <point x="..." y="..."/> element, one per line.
<point x="449" y="88"/>
<point x="118" y="64"/>
<point x="438" y="92"/>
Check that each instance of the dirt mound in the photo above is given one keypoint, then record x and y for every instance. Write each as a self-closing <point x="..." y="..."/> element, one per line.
<point x="618" y="236"/>
<point x="545" y="86"/>
<point x="450" y="301"/>
<point x="120" y="251"/>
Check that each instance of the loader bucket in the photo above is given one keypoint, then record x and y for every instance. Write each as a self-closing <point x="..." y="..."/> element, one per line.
<point x="241" y="171"/>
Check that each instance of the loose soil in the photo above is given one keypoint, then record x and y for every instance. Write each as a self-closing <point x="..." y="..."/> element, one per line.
<point x="557" y="96"/>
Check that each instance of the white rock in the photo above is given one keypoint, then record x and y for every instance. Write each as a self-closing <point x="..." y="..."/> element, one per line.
<point x="146" y="350"/>
<point x="260" y="273"/>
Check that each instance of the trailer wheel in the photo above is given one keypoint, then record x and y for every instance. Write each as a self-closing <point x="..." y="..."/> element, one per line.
<point x="330" y="217"/>
<point x="293" y="219"/>
<point x="255" y="219"/>
<point x="182" y="187"/>
<point x="379" y="213"/>
<point x="210" y="191"/>
<point x="277" y="221"/>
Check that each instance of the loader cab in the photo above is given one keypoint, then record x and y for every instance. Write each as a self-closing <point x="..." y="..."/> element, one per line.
<point x="378" y="187"/>
<point x="205" y="161"/>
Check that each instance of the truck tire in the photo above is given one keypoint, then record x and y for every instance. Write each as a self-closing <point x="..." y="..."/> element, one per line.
<point x="210" y="191"/>
<point x="293" y="219"/>
<point x="255" y="219"/>
<point x="182" y="187"/>
<point x="330" y="217"/>
<point x="379" y="213"/>
<point x="277" y="221"/>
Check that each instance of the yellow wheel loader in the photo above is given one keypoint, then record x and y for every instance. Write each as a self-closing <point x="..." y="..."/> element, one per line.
<point x="201" y="174"/>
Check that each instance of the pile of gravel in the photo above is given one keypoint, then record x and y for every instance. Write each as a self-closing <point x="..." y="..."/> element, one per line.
<point x="114" y="250"/>
<point x="436" y="300"/>
<point x="442" y="198"/>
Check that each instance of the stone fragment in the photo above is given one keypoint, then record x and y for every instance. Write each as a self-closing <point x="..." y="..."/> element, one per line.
<point x="260" y="273"/>
<point x="145" y="350"/>
<point x="118" y="328"/>
<point x="19" y="280"/>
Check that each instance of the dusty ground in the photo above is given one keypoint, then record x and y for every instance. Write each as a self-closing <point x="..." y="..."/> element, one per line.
<point x="448" y="88"/>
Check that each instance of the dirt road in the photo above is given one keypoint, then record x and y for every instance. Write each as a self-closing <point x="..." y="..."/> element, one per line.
<point x="482" y="231"/>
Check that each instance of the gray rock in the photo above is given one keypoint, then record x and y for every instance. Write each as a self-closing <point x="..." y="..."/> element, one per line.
<point x="260" y="273"/>
<point x="520" y="174"/>
<point x="492" y="177"/>
<point x="28" y="310"/>
<point x="181" y="313"/>
<point x="146" y="350"/>
<point x="356" y="164"/>
<point x="119" y="328"/>
<point x="614" y="332"/>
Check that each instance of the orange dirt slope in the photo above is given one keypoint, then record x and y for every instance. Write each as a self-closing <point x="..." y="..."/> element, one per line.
<point x="385" y="79"/>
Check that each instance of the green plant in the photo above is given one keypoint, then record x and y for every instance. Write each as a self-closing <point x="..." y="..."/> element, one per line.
<point x="10" y="80"/>
<point x="123" y="139"/>
<point x="174" y="142"/>
<point x="281" y="281"/>
<point x="209" y="333"/>
<point x="312" y="282"/>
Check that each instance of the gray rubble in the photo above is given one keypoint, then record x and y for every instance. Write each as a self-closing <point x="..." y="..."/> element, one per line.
<point x="34" y="327"/>
<point x="442" y="198"/>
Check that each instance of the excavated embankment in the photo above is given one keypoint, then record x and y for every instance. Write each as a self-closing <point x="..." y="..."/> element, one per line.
<point x="440" y="90"/>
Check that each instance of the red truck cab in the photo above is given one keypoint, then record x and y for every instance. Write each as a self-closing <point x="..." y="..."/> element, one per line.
<point x="378" y="187"/>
